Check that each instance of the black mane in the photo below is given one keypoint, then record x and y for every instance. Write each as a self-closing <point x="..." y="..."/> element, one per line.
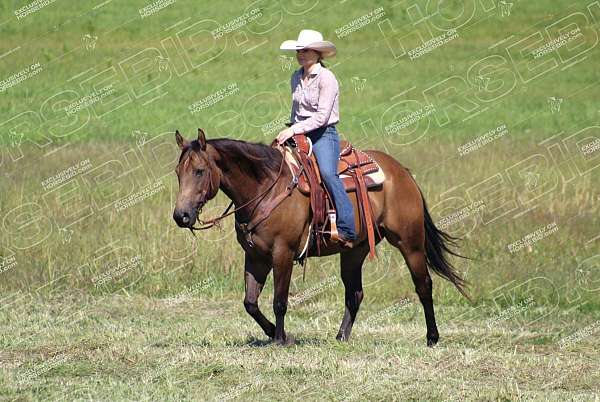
<point x="259" y="160"/>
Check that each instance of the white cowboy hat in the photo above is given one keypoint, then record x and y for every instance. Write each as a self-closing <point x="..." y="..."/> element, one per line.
<point x="309" y="39"/>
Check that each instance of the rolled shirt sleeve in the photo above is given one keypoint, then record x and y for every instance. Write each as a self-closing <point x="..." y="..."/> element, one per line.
<point x="293" y="112"/>
<point x="328" y="91"/>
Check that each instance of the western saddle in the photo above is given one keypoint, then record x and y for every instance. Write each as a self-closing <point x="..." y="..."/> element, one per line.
<point x="358" y="172"/>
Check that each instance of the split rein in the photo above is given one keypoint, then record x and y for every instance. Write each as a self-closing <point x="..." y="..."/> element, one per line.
<point x="217" y="221"/>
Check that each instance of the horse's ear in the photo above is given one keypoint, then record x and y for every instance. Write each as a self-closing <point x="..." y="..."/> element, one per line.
<point x="180" y="140"/>
<point x="201" y="139"/>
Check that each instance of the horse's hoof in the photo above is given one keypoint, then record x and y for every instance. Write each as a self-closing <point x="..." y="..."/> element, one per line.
<point x="270" y="333"/>
<point x="288" y="341"/>
<point x="340" y="337"/>
<point x="432" y="341"/>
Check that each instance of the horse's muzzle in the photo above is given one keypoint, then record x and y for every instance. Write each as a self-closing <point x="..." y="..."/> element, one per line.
<point x="185" y="219"/>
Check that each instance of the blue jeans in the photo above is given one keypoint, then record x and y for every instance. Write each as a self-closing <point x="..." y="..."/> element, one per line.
<point x="326" y="147"/>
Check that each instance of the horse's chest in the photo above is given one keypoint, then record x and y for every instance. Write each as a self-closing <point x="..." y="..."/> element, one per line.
<point x="253" y="243"/>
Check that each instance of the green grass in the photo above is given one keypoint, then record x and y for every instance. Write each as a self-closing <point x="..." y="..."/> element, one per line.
<point x="122" y="347"/>
<point x="80" y="321"/>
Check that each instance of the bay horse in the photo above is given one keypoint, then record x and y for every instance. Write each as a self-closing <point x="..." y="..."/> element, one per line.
<point x="252" y="175"/>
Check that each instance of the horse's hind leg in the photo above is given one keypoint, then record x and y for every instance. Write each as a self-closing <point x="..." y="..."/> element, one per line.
<point x="351" y="270"/>
<point x="255" y="276"/>
<point x="412" y="248"/>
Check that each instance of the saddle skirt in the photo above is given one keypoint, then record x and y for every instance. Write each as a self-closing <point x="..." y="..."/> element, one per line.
<point x="372" y="172"/>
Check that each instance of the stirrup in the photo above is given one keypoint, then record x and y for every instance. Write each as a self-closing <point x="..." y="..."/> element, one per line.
<point x="333" y="232"/>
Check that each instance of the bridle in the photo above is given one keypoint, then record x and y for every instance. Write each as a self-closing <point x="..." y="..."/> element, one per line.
<point x="248" y="227"/>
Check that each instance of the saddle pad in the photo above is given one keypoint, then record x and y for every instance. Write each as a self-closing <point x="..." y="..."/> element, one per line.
<point x="378" y="177"/>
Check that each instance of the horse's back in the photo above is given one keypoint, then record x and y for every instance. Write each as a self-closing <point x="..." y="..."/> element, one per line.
<point x="393" y="169"/>
<point x="400" y="193"/>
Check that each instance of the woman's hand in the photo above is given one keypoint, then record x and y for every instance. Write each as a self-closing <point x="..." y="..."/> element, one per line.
<point x="284" y="135"/>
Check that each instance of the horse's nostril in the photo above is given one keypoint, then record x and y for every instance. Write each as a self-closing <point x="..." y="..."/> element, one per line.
<point x="183" y="219"/>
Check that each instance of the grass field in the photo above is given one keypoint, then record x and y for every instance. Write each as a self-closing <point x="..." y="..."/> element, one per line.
<point x="108" y="300"/>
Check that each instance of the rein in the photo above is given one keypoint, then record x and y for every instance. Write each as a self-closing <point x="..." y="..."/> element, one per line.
<point x="216" y="221"/>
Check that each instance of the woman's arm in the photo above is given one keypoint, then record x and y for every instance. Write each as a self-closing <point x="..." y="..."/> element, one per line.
<point x="287" y="132"/>
<point x="292" y="108"/>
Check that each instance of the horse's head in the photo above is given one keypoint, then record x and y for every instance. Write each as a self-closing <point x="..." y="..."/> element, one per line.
<point x="199" y="179"/>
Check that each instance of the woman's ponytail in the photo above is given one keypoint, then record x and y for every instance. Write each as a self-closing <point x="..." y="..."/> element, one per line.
<point x="321" y="59"/>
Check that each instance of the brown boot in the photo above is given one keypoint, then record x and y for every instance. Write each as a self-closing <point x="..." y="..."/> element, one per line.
<point x="345" y="243"/>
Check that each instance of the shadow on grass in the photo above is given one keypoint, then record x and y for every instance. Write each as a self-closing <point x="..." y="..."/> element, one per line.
<point x="254" y="342"/>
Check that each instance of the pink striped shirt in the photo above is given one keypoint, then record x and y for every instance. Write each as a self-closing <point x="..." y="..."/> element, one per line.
<point x="315" y="104"/>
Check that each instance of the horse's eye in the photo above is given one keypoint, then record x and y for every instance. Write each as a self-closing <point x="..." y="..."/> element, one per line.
<point x="199" y="172"/>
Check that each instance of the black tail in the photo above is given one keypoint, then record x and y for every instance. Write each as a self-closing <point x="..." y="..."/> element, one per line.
<point x="437" y="244"/>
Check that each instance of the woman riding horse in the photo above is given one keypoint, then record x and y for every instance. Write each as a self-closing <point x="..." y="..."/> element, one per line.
<point x="315" y="112"/>
<point x="272" y="220"/>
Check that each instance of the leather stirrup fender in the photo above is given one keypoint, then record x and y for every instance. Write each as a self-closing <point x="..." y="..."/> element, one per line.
<point x="365" y="203"/>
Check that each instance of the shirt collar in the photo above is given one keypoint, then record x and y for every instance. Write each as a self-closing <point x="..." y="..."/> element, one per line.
<point x="316" y="70"/>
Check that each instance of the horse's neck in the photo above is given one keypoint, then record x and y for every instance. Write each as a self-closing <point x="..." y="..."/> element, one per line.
<point x="238" y="185"/>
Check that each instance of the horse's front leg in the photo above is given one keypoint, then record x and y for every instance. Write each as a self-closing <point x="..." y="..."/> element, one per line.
<point x="255" y="275"/>
<point x="282" y="274"/>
